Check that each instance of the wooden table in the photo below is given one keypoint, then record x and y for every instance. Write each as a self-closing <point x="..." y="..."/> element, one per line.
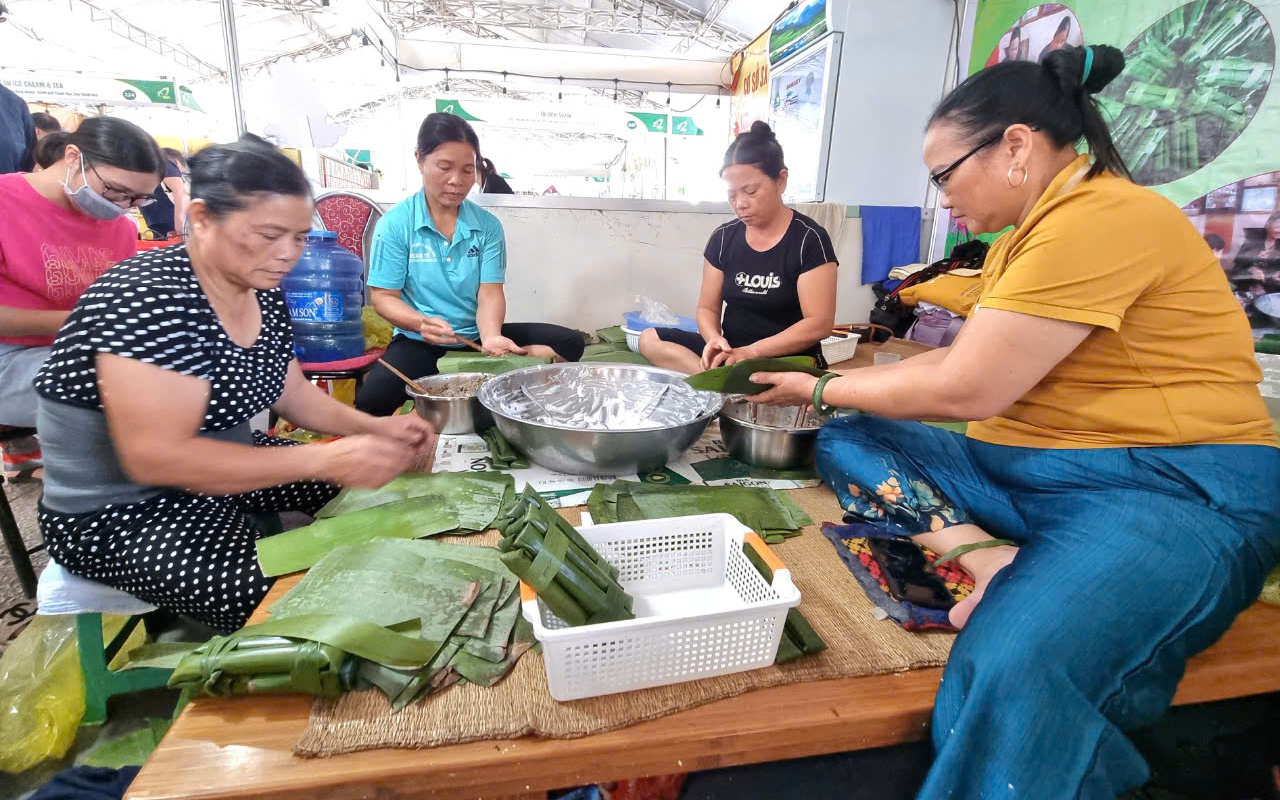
<point x="241" y="748"/>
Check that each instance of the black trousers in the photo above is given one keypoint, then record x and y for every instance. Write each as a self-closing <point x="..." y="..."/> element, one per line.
<point x="382" y="393"/>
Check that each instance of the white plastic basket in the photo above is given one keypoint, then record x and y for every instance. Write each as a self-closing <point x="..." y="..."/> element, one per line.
<point x="836" y="349"/>
<point x="633" y="339"/>
<point x="701" y="609"/>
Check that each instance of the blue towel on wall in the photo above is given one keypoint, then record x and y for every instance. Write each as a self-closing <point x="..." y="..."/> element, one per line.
<point x="890" y="238"/>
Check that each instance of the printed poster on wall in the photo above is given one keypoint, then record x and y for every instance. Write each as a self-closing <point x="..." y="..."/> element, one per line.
<point x="798" y="105"/>
<point x="1193" y="113"/>
<point x="750" y="100"/>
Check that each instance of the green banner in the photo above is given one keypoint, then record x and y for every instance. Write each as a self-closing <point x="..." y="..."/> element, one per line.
<point x="685" y="126"/>
<point x="655" y="123"/>
<point x="454" y="107"/>
<point x="1193" y="113"/>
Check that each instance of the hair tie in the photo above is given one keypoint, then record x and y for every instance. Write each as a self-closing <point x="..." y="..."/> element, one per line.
<point x="1088" y="65"/>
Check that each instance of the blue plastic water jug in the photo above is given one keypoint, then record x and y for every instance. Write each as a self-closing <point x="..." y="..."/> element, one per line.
<point x="325" y="291"/>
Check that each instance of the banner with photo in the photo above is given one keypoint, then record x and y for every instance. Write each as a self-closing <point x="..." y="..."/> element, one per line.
<point x="1193" y="113"/>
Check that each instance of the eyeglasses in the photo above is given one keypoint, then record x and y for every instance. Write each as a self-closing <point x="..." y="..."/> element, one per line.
<point x="939" y="178"/>
<point x="117" y="195"/>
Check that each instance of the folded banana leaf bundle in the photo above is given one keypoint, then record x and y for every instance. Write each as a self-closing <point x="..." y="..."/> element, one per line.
<point x="470" y="361"/>
<point x="771" y="514"/>
<point x="501" y="454"/>
<point x="736" y="378"/>
<point x="407" y="617"/>
<point x="798" y="636"/>
<point x="549" y="554"/>
<point x="613" y="335"/>
<point x="410" y="507"/>
<point x="614" y="353"/>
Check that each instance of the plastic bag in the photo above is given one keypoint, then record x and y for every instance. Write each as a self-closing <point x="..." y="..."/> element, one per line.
<point x="377" y="331"/>
<point x="655" y="312"/>
<point x="1271" y="588"/>
<point x="42" y="690"/>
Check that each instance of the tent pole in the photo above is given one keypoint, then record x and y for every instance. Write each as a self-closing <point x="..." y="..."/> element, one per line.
<point x="232" y="48"/>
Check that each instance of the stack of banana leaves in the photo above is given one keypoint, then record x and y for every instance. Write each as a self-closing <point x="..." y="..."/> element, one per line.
<point x="771" y="514"/>
<point x="549" y="554"/>
<point x="470" y="361"/>
<point x="798" y="636"/>
<point x="410" y="507"/>
<point x="407" y="617"/>
<point x="736" y="378"/>
<point x="501" y="454"/>
<point x="615" y="352"/>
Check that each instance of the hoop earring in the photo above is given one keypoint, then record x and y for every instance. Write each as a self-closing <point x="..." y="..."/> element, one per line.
<point x="1020" y="183"/>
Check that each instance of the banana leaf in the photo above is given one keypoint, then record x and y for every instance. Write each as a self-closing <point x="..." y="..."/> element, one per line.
<point x="407" y="519"/>
<point x="480" y="619"/>
<point x="761" y="509"/>
<point x="502" y="454"/>
<point x="614" y="335"/>
<point x="477" y="496"/>
<point x="736" y="378"/>
<point x="470" y="361"/>
<point x="614" y="353"/>
<point x="798" y="636"/>
<point x="483" y="672"/>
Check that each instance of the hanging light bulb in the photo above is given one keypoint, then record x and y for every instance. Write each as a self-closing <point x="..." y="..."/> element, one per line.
<point x="717" y="98"/>
<point x="560" y="94"/>
<point x="668" y="93"/>
<point x="504" y="82"/>
<point x="615" y="90"/>
<point x="446" y="79"/>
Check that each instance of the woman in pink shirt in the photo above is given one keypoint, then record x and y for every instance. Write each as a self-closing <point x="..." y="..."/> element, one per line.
<point x="59" y="230"/>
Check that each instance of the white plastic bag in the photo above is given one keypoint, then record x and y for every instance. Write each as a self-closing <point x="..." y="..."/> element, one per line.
<point x="656" y="312"/>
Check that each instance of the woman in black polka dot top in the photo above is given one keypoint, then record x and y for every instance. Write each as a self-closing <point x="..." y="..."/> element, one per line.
<point x="145" y="402"/>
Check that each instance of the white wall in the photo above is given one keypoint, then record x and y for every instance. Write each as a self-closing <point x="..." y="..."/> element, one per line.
<point x="584" y="267"/>
<point x="892" y="67"/>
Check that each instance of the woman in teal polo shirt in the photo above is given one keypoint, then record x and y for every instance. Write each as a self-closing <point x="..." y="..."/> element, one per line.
<point x="437" y="266"/>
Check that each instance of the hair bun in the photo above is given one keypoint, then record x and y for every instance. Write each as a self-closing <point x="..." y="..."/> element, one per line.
<point x="761" y="128"/>
<point x="1108" y="63"/>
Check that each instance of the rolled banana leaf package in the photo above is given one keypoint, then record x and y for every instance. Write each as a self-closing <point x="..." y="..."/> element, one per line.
<point x="798" y="636"/>
<point x="736" y="378"/>
<point x="549" y="554"/>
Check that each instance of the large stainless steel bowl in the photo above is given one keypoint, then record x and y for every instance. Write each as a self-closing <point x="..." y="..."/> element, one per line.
<point x="774" y="437"/>
<point x="450" y="404"/>
<point x="657" y="416"/>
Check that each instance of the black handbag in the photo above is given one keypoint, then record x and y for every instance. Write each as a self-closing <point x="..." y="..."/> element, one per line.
<point x="889" y="316"/>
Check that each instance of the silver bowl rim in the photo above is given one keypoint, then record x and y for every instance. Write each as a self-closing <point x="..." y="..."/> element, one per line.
<point x="485" y="390"/>
<point x="755" y="426"/>
<point x="446" y="378"/>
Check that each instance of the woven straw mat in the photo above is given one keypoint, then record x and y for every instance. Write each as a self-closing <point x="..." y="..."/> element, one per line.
<point x="858" y="644"/>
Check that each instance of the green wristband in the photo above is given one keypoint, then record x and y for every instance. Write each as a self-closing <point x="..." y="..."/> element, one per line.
<point x="816" y="400"/>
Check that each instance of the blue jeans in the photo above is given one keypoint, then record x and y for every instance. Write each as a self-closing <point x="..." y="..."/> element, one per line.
<point x="1131" y="561"/>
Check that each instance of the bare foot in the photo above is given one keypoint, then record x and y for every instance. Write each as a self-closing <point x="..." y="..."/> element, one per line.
<point x="983" y="566"/>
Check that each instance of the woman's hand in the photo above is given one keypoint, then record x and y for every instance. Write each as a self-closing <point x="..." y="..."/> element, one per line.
<point x="500" y="346"/>
<point x="436" y="331"/>
<point x="409" y="429"/>
<point x="367" y="461"/>
<point x="789" y="388"/>
<point x="742" y="354"/>
<point x="716" y="351"/>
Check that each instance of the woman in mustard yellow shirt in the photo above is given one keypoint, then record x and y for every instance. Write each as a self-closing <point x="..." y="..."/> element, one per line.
<point x="1120" y="481"/>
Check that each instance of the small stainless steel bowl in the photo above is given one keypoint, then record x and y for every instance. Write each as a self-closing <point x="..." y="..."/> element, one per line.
<point x="462" y="413"/>
<point x="773" y="437"/>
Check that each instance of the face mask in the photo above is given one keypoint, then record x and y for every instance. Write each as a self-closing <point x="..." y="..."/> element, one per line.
<point x="89" y="202"/>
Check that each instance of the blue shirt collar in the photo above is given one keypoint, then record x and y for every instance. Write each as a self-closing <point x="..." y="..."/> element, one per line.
<point x="422" y="218"/>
